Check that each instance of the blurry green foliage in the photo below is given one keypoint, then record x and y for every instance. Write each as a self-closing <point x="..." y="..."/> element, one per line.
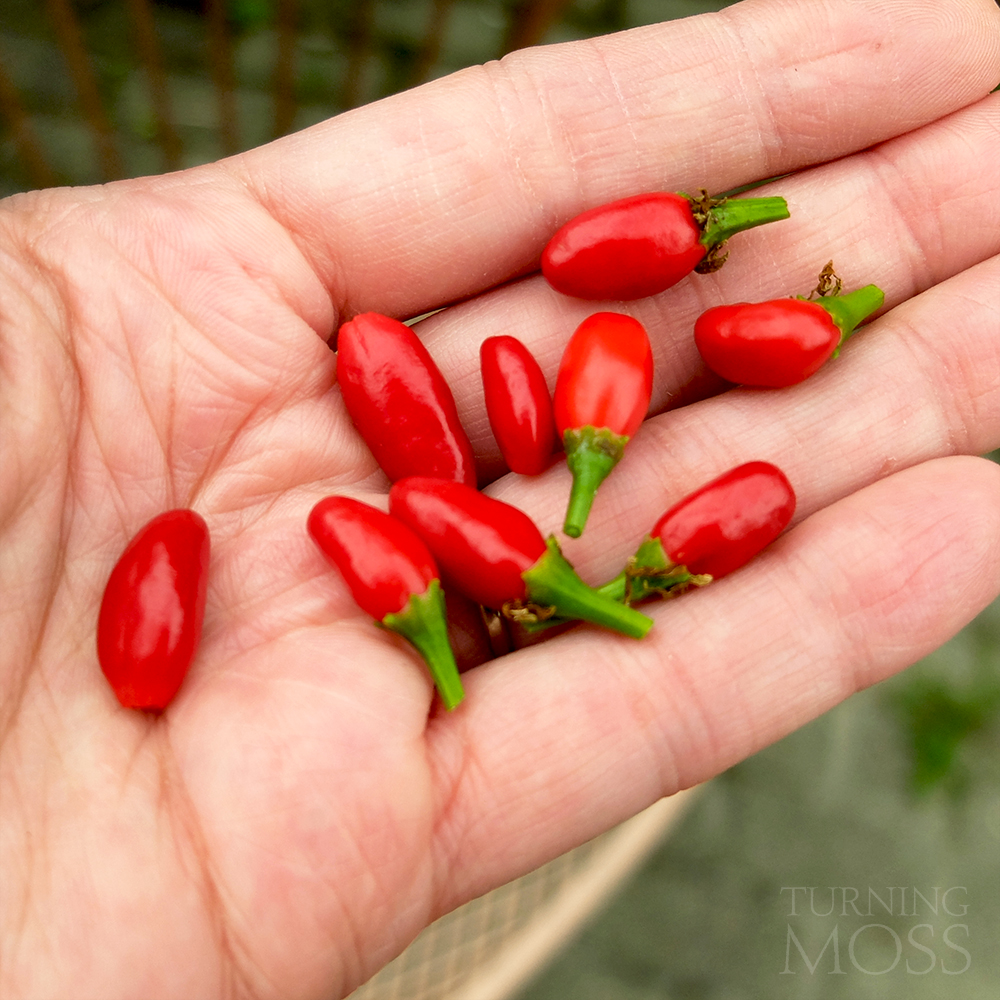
<point x="941" y="724"/>
<point x="249" y="15"/>
<point x="948" y="708"/>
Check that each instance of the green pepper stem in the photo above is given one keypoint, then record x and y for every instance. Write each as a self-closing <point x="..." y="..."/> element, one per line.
<point x="616" y="588"/>
<point x="591" y="453"/>
<point x="424" y="624"/>
<point x="651" y="573"/>
<point x="849" y="311"/>
<point x="552" y="581"/>
<point x="734" y="215"/>
<point x="649" y="557"/>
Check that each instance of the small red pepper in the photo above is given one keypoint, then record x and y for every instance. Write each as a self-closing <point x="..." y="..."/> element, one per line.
<point x="724" y="524"/>
<point x="393" y="577"/>
<point x="711" y="532"/>
<point x="152" y="610"/>
<point x="603" y="390"/>
<point x="495" y="555"/>
<point x="518" y="405"/>
<point x="399" y="401"/>
<point x="783" y="341"/>
<point x="641" y="245"/>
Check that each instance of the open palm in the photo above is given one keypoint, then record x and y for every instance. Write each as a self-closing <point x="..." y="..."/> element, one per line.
<point x="301" y="811"/>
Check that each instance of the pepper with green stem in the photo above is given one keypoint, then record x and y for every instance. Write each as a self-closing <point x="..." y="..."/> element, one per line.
<point x="603" y="390"/>
<point x="708" y="534"/>
<point x="495" y="555"/>
<point x="781" y="342"/>
<point x="393" y="577"/>
<point x="644" y="244"/>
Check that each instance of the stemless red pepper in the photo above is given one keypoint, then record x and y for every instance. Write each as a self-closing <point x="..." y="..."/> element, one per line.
<point x="603" y="389"/>
<point x="399" y="401"/>
<point x="393" y="577"/>
<point x="495" y="555"/>
<point x="641" y="245"/>
<point x="152" y="610"/>
<point x="517" y="404"/>
<point x="783" y="341"/>
<point x="711" y="532"/>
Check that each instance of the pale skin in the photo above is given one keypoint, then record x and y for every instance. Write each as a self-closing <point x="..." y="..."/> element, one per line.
<point x="303" y="809"/>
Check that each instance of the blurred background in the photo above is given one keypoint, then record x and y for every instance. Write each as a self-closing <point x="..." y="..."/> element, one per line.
<point x="859" y="857"/>
<point x="93" y="90"/>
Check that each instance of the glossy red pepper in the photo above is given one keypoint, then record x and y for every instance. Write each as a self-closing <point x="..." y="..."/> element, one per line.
<point x="711" y="532"/>
<point x="495" y="555"/>
<point x="399" y="401"/>
<point x="783" y="341"/>
<point x="518" y="405"/>
<point x="152" y="610"/>
<point x="393" y="577"/>
<point x="724" y="524"/>
<point x="642" y="245"/>
<point x="603" y="390"/>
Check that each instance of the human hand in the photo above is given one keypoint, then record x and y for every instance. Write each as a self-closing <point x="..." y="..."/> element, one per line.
<point x="297" y="816"/>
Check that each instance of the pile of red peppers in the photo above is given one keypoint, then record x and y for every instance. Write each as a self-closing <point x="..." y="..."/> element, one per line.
<point x="440" y="532"/>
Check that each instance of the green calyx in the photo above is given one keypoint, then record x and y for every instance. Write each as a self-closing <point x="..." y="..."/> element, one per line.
<point x="649" y="573"/>
<point x="591" y="453"/>
<point x="554" y="587"/>
<point x="719" y="219"/>
<point x="849" y="311"/>
<point x="424" y="624"/>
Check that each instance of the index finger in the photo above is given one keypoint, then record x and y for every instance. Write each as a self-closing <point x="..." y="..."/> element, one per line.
<point x="441" y="192"/>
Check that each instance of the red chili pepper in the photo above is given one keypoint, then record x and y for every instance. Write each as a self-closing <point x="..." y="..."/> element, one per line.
<point x="517" y="404"/>
<point x="393" y="577"/>
<point x="603" y="389"/>
<point x="641" y="245"/>
<point x="711" y="532"/>
<point x="495" y="555"/>
<point x="726" y="522"/>
<point x="783" y="341"/>
<point x="152" y="610"/>
<point x="399" y="401"/>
